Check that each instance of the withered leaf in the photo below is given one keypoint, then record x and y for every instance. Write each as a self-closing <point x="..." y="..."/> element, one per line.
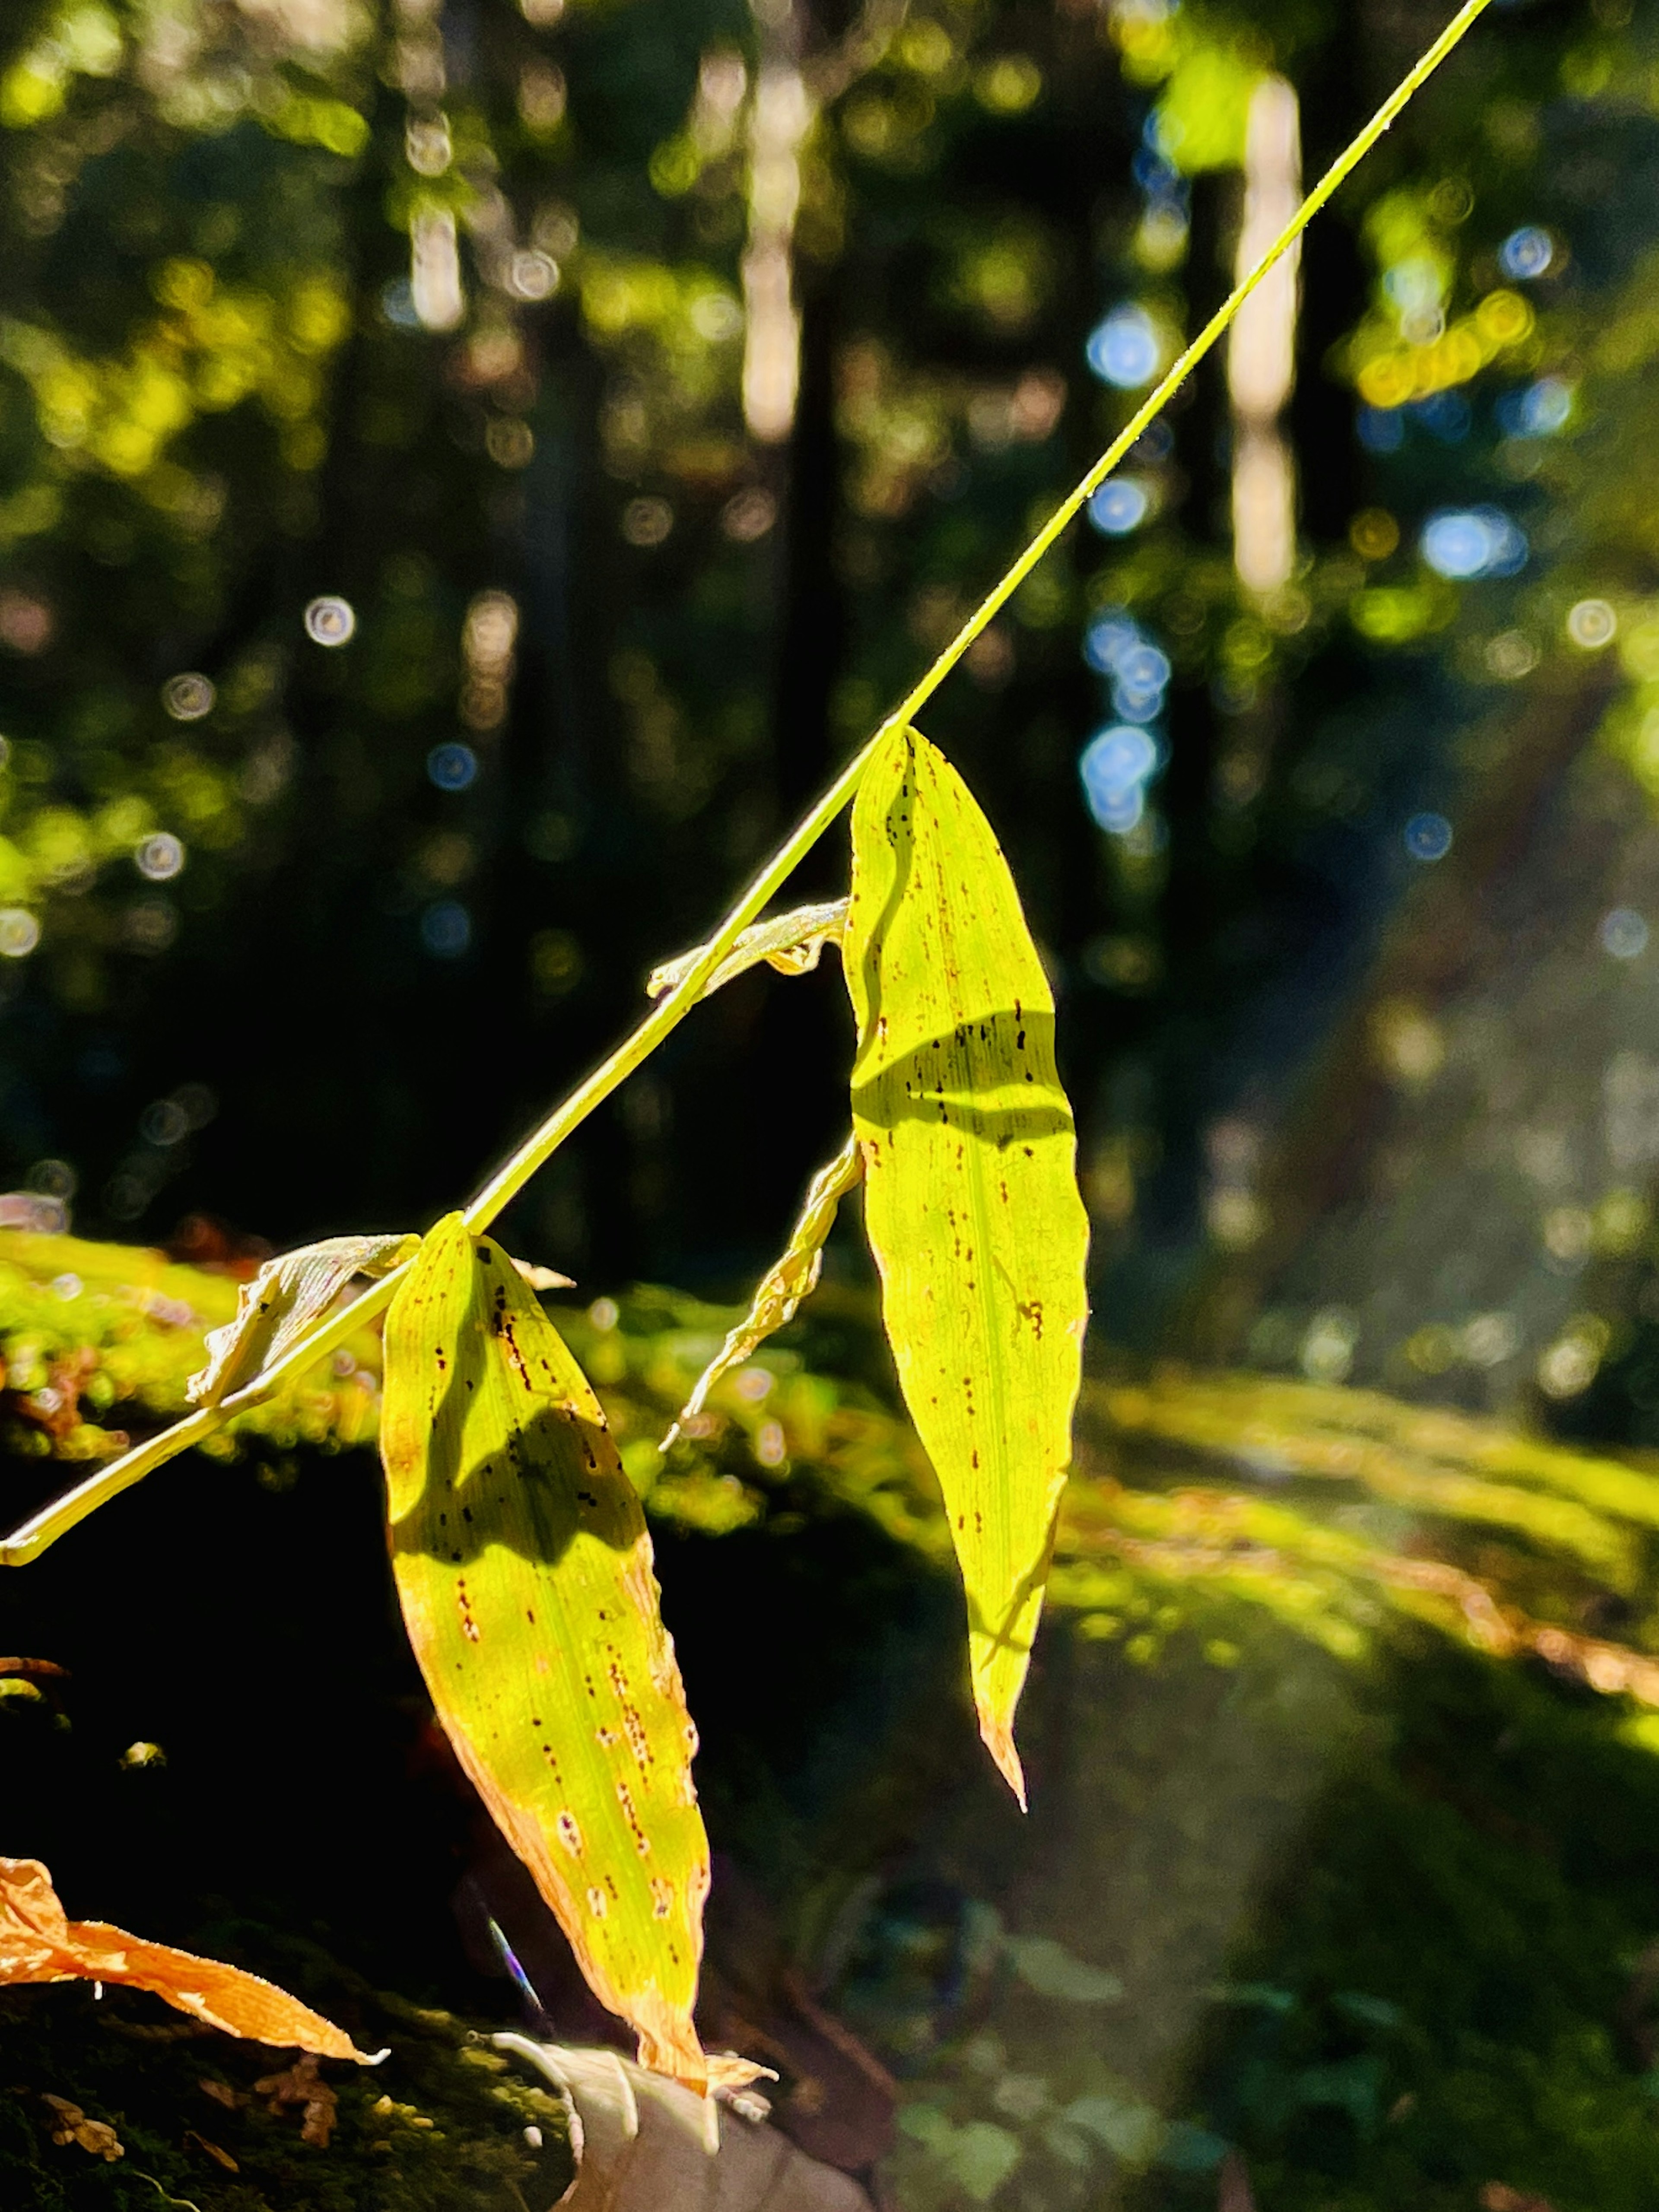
<point x="524" y="1573"/>
<point x="643" y="2144"/>
<point x="69" y="2124"/>
<point x="284" y="1298"/>
<point x="39" y="1944"/>
<point x="216" y="2152"/>
<point x="787" y="1283"/>
<point x="301" y="2084"/>
<point x="791" y="943"/>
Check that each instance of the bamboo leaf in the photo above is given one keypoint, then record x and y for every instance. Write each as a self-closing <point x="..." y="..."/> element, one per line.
<point x="785" y="1285"/>
<point x="282" y="1302"/>
<point x="524" y="1573"/>
<point x="971" y="1206"/>
<point x="791" y="943"/>
<point x="38" y="1943"/>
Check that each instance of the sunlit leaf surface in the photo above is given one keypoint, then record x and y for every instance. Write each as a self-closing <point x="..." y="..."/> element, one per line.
<point x="791" y="943"/>
<point x="525" y="1574"/>
<point x="287" y="1295"/>
<point x="785" y="1285"/>
<point x="39" y="1944"/>
<point x="972" y="1204"/>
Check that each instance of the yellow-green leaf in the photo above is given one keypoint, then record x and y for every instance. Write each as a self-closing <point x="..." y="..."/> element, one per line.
<point x="972" y="1201"/>
<point x="791" y="943"/>
<point x="287" y="1295"/>
<point x="524" y="1573"/>
<point x="785" y="1285"/>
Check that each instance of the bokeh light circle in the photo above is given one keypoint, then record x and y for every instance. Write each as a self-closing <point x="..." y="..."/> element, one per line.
<point x="331" y="622"/>
<point x="1592" y="625"/>
<point x="1123" y="350"/>
<point x="189" y="696"/>
<point x="159" y="857"/>
<point x="20" y="932"/>
<point x="1526" y="253"/>
<point x="1114" y="767"/>
<point x="1428" y="836"/>
<point x="1119" y="507"/>
<point x="452" y="767"/>
<point x="1467" y="543"/>
<point x="1625" y="933"/>
<point x="446" y="929"/>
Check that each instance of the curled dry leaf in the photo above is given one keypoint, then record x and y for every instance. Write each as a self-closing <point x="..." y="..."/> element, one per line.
<point x="643" y="2144"/>
<point x="791" y="943"/>
<point x="216" y="2152"/>
<point x="301" y="2084"/>
<point x="787" y="1283"/>
<point x="39" y="1944"/>
<point x="282" y="1302"/>
<point x="69" y="2124"/>
<point x="524" y="1573"/>
<point x="971" y="1202"/>
<point x="21" y="1680"/>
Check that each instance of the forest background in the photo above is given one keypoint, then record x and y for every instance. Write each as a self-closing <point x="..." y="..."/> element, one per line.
<point x="468" y="476"/>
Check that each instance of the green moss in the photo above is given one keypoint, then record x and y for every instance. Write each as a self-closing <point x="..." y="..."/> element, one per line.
<point x="439" y="2124"/>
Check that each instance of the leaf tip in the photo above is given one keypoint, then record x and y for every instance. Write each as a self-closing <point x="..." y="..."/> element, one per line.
<point x="998" y="1739"/>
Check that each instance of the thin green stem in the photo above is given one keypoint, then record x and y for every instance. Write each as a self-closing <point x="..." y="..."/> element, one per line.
<point x="63" y="1514"/>
<point x="1213" y="332"/>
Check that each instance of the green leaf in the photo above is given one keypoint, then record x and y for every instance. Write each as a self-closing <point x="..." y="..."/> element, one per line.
<point x="785" y="1285"/>
<point x="524" y="1573"/>
<point x="277" y="1308"/>
<point x="791" y="943"/>
<point x="972" y="1201"/>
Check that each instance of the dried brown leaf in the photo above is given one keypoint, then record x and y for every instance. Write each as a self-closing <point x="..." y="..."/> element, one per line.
<point x="214" y="2151"/>
<point x="287" y="1295"/>
<point x="787" y="1283"/>
<point x="643" y="2143"/>
<point x="39" y="1944"/>
<point x="71" y="2125"/>
<point x="791" y="943"/>
<point x="301" y="2084"/>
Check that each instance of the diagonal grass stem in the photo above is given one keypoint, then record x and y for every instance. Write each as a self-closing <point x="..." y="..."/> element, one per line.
<point x="64" y="1513"/>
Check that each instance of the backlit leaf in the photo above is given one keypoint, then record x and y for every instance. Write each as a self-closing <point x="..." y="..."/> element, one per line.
<point x="791" y="943"/>
<point x="643" y="2145"/>
<point x="287" y="1295"/>
<point x="972" y="1204"/>
<point x="524" y="1573"/>
<point x="39" y="1944"/>
<point x="784" y="1285"/>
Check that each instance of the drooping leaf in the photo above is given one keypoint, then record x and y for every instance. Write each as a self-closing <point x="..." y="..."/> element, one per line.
<point x="39" y="1944"/>
<point x="971" y="1202"/>
<point x="643" y="2145"/>
<point x="791" y="943"/>
<point x="524" y="1573"/>
<point x="287" y="1295"/>
<point x="785" y="1285"/>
